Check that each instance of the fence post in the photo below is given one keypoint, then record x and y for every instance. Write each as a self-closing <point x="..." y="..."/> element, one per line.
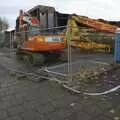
<point x="10" y="43"/>
<point x="69" y="38"/>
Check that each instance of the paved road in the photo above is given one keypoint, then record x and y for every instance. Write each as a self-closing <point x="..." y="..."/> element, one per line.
<point x="27" y="100"/>
<point x="87" y="60"/>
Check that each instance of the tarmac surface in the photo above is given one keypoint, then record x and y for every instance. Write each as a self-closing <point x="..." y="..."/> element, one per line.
<point x="21" y="99"/>
<point x="78" y="60"/>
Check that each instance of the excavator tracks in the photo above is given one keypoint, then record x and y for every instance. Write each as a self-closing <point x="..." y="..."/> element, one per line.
<point x="36" y="58"/>
<point x="30" y="58"/>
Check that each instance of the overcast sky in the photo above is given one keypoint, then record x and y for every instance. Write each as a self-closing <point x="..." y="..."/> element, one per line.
<point x="106" y="9"/>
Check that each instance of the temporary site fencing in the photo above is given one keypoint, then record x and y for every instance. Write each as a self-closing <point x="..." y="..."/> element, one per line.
<point x="88" y="51"/>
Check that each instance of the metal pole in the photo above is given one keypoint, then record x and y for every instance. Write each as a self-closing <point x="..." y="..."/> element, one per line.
<point x="69" y="56"/>
<point x="10" y="44"/>
<point x="13" y="40"/>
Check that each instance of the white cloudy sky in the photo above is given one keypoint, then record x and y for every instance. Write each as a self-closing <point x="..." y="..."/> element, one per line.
<point x="106" y="9"/>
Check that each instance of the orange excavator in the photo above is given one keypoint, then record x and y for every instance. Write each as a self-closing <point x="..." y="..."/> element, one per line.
<point x="33" y="45"/>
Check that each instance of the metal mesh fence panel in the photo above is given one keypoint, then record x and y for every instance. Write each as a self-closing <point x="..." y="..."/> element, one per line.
<point x="86" y="51"/>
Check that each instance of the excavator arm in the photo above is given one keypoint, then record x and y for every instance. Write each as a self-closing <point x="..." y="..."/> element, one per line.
<point x="95" y="24"/>
<point x="79" y="41"/>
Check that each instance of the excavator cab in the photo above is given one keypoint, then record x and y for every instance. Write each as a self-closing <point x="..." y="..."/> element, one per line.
<point x="33" y="31"/>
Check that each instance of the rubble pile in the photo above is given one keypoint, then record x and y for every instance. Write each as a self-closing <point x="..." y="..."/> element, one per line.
<point x="89" y="75"/>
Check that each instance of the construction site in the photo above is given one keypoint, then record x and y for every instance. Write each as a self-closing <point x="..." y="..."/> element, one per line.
<point x="57" y="66"/>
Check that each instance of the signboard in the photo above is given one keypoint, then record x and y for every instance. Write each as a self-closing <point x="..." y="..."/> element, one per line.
<point x="54" y="39"/>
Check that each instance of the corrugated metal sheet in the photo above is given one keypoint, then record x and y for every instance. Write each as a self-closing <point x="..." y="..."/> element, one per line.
<point x="50" y="20"/>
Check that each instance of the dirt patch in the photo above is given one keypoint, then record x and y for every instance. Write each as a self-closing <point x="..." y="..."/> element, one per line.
<point x="96" y="79"/>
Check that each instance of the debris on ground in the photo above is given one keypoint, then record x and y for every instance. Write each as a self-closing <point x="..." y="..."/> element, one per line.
<point x="95" y="79"/>
<point x="89" y="75"/>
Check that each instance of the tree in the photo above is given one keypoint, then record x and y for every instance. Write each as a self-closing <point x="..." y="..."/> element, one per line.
<point x="3" y="24"/>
